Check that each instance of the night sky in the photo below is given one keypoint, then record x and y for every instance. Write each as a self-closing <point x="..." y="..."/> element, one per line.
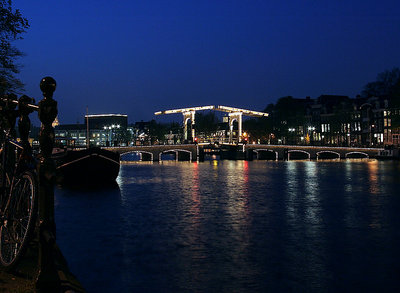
<point x="138" y="57"/>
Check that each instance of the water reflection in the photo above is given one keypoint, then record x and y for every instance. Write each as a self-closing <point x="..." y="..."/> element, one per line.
<point x="313" y="191"/>
<point x="373" y="177"/>
<point x="235" y="226"/>
<point x="304" y="216"/>
<point x="293" y="188"/>
<point x="89" y="233"/>
<point x="374" y="190"/>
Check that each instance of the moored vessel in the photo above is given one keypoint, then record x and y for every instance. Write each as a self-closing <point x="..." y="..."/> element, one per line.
<point x="94" y="166"/>
<point x="388" y="153"/>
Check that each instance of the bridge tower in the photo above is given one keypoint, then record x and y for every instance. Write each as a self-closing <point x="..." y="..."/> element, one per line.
<point x="189" y="115"/>
<point x="235" y="116"/>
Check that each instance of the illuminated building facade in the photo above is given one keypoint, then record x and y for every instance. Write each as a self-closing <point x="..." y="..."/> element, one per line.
<point x="102" y="130"/>
<point x="336" y="121"/>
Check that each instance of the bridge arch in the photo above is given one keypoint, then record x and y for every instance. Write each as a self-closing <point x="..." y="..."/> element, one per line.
<point x="328" y="154"/>
<point x="259" y="152"/>
<point x="176" y="151"/>
<point x="356" y="155"/>
<point x="140" y="152"/>
<point x="298" y="152"/>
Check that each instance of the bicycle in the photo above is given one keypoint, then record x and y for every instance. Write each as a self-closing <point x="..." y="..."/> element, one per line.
<point x="19" y="183"/>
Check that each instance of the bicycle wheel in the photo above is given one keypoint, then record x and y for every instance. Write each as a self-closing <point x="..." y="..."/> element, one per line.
<point x="19" y="219"/>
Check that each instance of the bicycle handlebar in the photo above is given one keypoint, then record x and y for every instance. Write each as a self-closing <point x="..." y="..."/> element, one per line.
<point x="17" y="102"/>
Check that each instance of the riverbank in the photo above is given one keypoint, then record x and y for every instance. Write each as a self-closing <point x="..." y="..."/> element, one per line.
<point x="15" y="284"/>
<point x="23" y="278"/>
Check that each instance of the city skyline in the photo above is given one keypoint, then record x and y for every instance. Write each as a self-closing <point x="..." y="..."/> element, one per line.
<point x="138" y="58"/>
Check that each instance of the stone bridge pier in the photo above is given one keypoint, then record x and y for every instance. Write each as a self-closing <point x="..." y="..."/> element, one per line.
<point x="288" y="152"/>
<point x="185" y="152"/>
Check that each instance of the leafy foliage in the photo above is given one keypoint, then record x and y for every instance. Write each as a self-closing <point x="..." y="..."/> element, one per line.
<point x="206" y="123"/>
<point x="258" y="128"/>
<point x="395" y="95"/>
<point x="12" y="25"/>
<point x="157" y="131"/>
<point x="384" y="85"/>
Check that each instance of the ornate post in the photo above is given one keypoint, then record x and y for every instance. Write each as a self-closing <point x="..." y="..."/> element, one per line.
<point x="54" y="275"/>
<point x="47" y="278"/>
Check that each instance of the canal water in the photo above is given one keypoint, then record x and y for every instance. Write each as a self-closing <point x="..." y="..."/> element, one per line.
<point x="237" y="226"/>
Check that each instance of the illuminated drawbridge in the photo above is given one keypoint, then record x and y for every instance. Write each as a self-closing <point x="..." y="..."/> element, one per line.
<point x="234" y="114"/>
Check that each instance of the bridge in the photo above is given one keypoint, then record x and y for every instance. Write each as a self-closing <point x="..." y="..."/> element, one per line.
<point x="197" y="152"/>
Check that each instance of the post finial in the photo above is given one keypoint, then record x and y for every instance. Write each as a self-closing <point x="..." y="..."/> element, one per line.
<point x="48" y="86"/>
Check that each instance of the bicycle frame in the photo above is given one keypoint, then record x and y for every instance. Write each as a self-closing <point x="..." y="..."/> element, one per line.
<point x="12" y="163"/>
<point x="18" y="182"/>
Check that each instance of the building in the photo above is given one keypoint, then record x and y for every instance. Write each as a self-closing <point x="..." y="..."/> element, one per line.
<point x="107" y="121"/>
<point x="336" y="121"/>
<point x="102" y="130"/>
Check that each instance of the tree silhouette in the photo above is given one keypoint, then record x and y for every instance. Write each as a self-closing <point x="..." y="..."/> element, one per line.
<point x="206" y="123"/>
<point x="384" y="85"/>
<point x="12" y="25"/>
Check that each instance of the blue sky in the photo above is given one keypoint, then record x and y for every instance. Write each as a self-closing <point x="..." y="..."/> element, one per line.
<point x="138" y="57"/>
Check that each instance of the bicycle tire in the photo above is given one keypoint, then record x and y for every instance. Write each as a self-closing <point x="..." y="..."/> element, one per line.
<point x="19" y="219"/>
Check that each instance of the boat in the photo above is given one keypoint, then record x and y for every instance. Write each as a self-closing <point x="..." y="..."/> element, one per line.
<point x="92" y="165"/>
<point x="388" y="153"/>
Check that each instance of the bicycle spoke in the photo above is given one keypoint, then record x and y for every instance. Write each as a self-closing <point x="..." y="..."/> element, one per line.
<point x="18" y="219"/>
<point x="10" y="245"/>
